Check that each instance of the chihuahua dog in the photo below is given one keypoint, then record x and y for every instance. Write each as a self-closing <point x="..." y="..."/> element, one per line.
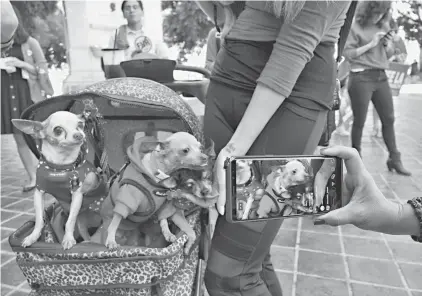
<point x="136" y="197"/>
<point x="277" y="200"/>
<point x="194" y="188"/>
<point x="64" y="173"/>
<point x="249" y="190"/>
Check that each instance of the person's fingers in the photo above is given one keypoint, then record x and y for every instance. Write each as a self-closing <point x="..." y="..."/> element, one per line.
<point x="338" y="217"/>
<point x="221" y="200"/>
<point x="212" y="219"/>
<point x="351" y="157"/>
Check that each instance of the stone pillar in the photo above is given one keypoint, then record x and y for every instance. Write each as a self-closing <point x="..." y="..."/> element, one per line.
<point x="84" y="67"/>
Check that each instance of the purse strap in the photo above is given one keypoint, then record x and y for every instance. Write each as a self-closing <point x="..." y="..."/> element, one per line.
<point x="345" y="29"/>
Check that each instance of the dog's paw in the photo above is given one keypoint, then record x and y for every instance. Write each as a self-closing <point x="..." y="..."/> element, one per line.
<point x="68" y="242"/>
<point x="189" y="244"/>
<point x="30" y="240"/>
<point x="170" y="237"/>
<point x="111" y="244"/>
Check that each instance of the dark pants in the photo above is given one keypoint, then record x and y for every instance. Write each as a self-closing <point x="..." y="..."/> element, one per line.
<point x="366" y="86"/>
<point x="239" y="262"/>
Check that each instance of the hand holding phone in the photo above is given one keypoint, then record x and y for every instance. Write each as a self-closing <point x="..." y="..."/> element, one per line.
<point x="271" y="187"/>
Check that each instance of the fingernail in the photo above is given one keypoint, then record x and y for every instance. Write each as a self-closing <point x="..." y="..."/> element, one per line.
<point x="319" y="222"/>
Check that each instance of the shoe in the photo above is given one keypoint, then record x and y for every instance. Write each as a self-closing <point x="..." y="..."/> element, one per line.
<point x="395" y="163"/>
<point x="341" y="131"/>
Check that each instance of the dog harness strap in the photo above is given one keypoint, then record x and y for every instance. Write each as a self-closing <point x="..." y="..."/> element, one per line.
<point x="274" y="200"/>
<point x="145" y="191"/>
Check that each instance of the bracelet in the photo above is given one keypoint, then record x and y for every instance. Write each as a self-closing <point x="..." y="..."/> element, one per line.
<point x="416" y="204"/>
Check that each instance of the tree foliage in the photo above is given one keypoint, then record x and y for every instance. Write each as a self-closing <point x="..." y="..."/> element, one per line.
<point x="185" y="25"/>
<point x="410" y="18"/>
<point x="44" y="21"/>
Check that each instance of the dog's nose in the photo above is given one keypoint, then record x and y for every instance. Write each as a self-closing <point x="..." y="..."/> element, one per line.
<point x="78" y="136"/>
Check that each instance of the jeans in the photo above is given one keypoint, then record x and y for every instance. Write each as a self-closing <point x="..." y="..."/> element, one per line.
<point x="239" y="262"/>
<point x="372" y="85"/>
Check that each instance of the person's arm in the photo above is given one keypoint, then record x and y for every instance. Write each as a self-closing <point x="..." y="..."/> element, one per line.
<point x="162" y="50"/>
<point x="352" y="49"/>
<point x="293" y="49"/>
<point x="9" y="23"/>
<point x="211" y="53"/>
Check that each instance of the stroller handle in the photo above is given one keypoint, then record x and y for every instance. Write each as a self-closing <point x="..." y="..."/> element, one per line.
<point x="199" y="70"/>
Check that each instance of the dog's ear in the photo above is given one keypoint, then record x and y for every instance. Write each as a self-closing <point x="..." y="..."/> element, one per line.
<point x="169" y="182"/>
<point x="148" y="146"/>
<point x="210" y="150"/>
<point x="277" y="169"/>
<point x="164" y="147"/>
<point x="31" y="127"/>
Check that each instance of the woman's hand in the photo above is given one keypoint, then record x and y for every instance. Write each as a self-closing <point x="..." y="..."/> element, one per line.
<point x="220" y="179"/>
<point x="14" y="62"/>
<point x="377" y="38"/>
<point x="6" y="67"/>
<point x="364" y="204"/>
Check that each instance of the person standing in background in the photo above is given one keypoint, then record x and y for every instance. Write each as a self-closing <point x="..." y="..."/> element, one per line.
<point x="132" y="38"/>
<point x="368" y="50"/>
<point x="399" y="56"/>
<point x="24" y="80"/>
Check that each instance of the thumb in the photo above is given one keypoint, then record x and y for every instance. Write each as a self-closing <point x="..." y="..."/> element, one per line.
<point x="221" y="200"/>
<point x="337" y="217"/>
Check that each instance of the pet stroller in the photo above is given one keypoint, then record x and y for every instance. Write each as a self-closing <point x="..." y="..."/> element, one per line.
<point x="126" y="108"/>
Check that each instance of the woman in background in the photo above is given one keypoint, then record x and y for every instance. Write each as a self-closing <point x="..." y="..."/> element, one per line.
<point x="24" y="79"/>
<point x="368" y="50"/>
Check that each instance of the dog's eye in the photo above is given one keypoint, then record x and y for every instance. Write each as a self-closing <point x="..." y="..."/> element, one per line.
<point x="186" y="150"/>
<point x="294" y="172"/>
<point x="58" y="131"/>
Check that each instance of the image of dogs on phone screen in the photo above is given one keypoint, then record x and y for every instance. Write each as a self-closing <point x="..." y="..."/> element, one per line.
<point x="286" y="187"/>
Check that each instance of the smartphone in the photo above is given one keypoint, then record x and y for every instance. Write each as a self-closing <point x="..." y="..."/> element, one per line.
<point x="273" y="187"/>
<point x="388" y="34"/>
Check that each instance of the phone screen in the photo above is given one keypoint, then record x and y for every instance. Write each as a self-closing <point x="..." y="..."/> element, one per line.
<point x="279" y="187"/>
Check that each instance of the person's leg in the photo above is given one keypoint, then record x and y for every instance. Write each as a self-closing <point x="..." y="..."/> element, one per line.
<point x="375" y="122"/>
<point x="360" y="92"/>
<point x="240" y="252"/>
<point x="28" y="159"/>
<point x="383" y="103"/>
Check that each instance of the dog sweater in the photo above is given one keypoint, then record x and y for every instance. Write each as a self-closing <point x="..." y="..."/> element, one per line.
<point x="59" y="181"/>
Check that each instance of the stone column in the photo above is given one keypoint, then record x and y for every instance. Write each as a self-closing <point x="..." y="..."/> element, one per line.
<point x="84" y="68"/>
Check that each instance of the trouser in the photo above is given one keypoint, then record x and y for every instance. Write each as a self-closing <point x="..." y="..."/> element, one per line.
<point x="372" y="85"/>
<point x="239" y="262"/>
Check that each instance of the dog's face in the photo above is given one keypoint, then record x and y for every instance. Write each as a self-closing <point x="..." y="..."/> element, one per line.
<point x="61" y="129"/>
<point x="195" y="182"/>
<point x="180" y="150"/>
<point x="291" y="174"/>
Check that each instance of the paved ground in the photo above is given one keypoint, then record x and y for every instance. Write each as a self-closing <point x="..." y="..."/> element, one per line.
<point x="310" y="261"/>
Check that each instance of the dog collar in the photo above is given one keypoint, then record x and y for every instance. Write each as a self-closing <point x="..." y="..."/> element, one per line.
<point x="279" y="195"/>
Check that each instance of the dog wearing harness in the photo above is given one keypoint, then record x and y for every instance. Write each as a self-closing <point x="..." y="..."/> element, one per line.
<point x="145" y="185"/>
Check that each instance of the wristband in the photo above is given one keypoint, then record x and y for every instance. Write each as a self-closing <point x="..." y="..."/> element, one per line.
<point x="416" y="204"/>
